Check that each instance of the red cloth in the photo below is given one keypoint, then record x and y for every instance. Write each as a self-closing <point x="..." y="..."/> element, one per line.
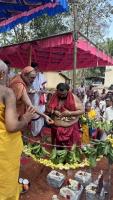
<point x="60" y="135"/>
<point x="42" y="100"/>
<point x="66" y="136"/>
<point x="69" y="103"/>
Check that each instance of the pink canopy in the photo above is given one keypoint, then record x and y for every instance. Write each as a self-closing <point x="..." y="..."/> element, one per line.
<point x="56" y="53"/>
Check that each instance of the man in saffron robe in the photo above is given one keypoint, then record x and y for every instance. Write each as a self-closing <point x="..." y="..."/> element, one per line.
<point x="65" y="107"/>
<point x="21" y="84"/>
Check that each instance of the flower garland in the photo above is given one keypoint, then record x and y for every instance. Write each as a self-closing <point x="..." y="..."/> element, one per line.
<point x="49" y="163"/>
<point x="77" y="157"/>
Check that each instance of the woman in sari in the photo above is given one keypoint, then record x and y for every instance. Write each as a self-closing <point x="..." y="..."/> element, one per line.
<point x="90" y="114"/>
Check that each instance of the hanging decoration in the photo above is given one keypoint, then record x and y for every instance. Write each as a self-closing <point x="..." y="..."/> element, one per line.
<point x="14" y="12"/>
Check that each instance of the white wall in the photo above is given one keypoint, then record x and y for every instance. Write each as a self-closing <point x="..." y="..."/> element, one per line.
<point x="108" y="76"/>
<point x="53" y="78"/>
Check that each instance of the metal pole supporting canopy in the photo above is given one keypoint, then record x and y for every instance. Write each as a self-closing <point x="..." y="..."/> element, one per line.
<point x="75" y="38"/>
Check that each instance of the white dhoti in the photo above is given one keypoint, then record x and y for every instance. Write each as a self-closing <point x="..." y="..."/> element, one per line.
<point x="38" y="83"/>
<point x="37" y="126"/>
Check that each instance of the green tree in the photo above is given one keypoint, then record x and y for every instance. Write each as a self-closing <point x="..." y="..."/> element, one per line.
<point x="93" y="20"/>
<point x="94" y="17"/>
<point x="107" y="45"/>
<point x="38" y="28"/>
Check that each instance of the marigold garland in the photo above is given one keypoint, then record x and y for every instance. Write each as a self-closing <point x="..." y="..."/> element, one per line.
<point x="82" y="164"/>
<point x="49" y="163"/>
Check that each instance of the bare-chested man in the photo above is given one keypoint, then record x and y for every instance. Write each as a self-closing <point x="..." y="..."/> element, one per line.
<point x="10" y="138"/>
<point x="65" y="108"/>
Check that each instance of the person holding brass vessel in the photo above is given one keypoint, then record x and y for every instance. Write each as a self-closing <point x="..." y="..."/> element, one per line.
<point x="65" y="109"/>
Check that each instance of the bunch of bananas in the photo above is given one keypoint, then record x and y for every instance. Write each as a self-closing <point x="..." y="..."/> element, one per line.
<point x="39" y="151"/>
<point x="66" y="156"/>
<point x="99" y="147"/>
<point x="75" y="155"/>
<point x="58" y="156"/>
<point x="91" y="154"/>
<point x="57" y="159"/>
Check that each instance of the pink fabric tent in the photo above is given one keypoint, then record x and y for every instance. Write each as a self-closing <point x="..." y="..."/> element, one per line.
<point x="56" y="54"/>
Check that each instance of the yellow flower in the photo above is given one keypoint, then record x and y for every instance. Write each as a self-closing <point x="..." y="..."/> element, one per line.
<point x="110" y="139"/>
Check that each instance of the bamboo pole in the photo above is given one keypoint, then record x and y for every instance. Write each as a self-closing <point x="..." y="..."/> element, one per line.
<point x="75" y="38"/>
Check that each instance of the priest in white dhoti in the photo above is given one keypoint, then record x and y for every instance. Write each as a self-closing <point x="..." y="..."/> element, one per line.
<point x="38" y="100"/>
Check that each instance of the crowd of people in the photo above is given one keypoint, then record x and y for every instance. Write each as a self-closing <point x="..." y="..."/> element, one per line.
<point x="98" y="106"/>
<point x="23" y="101"/>
<point x="101" y="102"/>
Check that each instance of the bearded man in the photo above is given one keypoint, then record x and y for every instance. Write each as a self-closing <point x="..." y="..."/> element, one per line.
<point x="65" y="108"/>
<point x="21" y="84"/>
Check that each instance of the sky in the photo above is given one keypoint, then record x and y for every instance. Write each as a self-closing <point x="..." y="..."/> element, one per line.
<point x="110" y="31"/>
